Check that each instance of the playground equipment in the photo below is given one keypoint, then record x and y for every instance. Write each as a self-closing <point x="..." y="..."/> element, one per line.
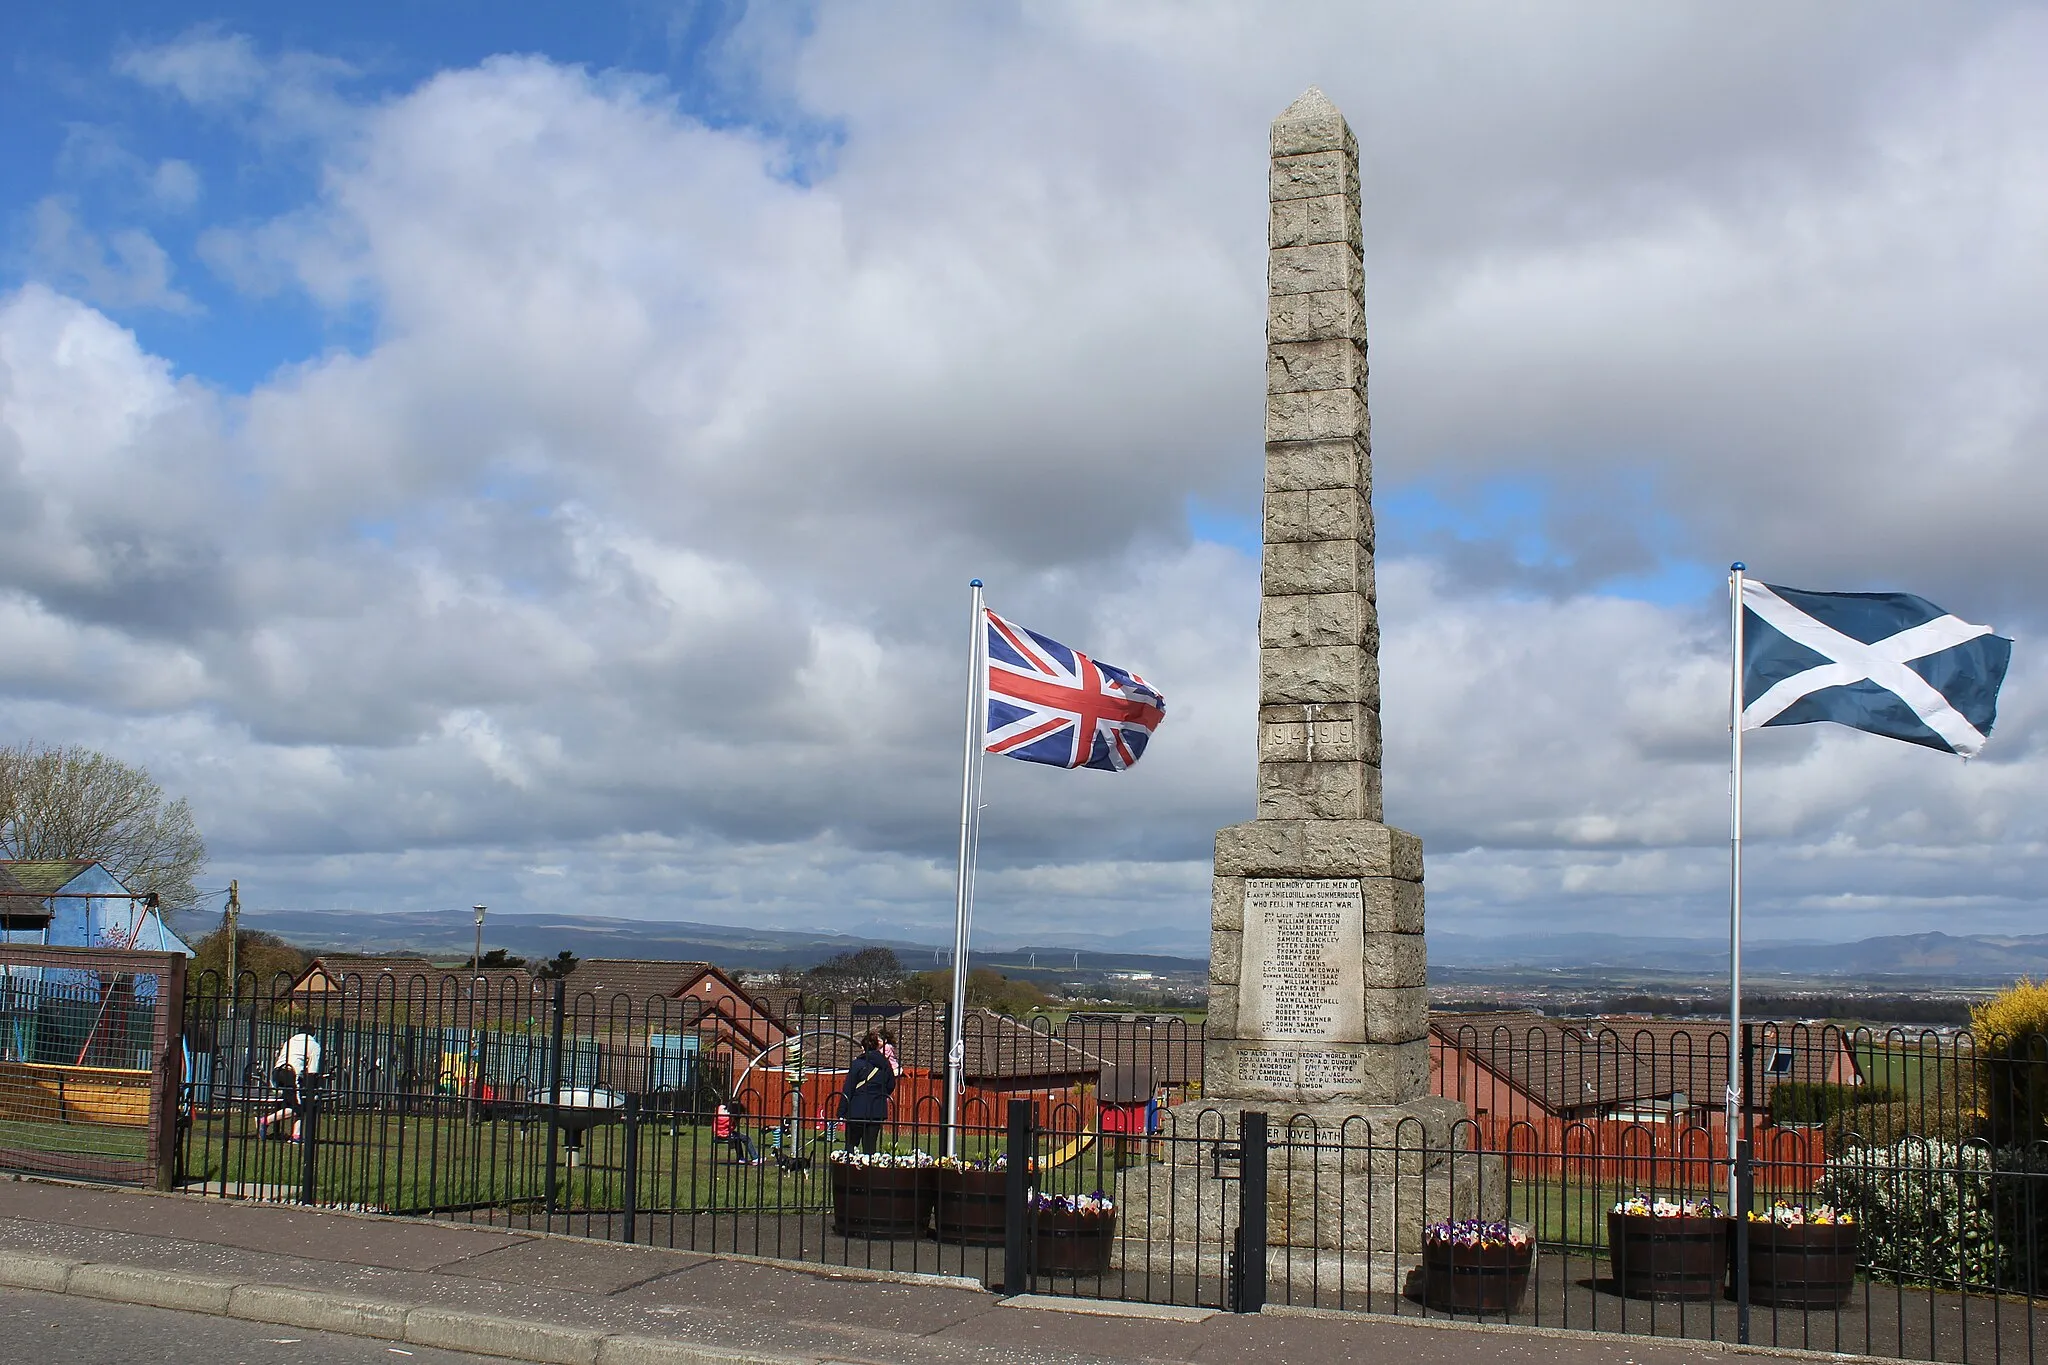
<point x="582" y="1108"/>
<point x="1080" y="1143"/>
<point x="786" y="1140"/>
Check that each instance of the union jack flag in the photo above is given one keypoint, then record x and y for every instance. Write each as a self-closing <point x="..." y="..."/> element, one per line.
<point x="1051" y="704"/>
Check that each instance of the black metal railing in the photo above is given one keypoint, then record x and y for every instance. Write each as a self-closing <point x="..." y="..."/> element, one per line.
<point x="1088" y="1161"/>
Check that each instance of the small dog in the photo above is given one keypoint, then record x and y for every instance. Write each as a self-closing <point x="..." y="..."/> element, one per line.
<point x="792" y="1165"/>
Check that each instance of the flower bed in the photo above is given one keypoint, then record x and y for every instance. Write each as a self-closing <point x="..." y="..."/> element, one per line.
<point x="881" y="1194"/>
<point x="1668" y="1249"/>
<point x="1802" y="1257"/>
<point x="1473" y="1266"/>
<point x="1074" y="1233"/>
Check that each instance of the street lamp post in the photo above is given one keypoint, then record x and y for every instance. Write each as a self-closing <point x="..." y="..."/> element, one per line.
<point x="476" y="990"/>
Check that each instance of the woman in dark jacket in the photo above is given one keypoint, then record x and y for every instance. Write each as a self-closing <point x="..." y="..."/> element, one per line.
<point x="865" y="1107"/>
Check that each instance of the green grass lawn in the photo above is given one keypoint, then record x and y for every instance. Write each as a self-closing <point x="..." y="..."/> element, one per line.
<point x="1575" y="1213"/>
<point x="441" y="1160"/>
<point x="413" y="1162"/>
<point x="95" y="1139"/>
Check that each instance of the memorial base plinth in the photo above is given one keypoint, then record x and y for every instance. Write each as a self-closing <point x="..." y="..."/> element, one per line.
<point x="1348" y="1190"/>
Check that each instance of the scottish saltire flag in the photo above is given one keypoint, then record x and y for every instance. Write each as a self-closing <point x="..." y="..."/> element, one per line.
<point x="1051" y="704"/>
<point x="1887" y="662"/>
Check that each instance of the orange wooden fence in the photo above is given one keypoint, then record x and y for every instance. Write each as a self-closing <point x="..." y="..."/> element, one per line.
<point x="1650" y="1156"/>
<point x="918" y="1106"/>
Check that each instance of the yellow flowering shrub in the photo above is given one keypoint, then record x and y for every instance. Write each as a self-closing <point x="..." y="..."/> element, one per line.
<point x="2011" y="1034"/>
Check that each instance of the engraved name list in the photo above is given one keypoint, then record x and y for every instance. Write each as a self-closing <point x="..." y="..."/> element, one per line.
<point x="1304" y="963"/>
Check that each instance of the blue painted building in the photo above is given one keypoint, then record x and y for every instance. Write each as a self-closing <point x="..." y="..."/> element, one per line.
<point x="77" y="1015"/>
<point x="71" y="903"/>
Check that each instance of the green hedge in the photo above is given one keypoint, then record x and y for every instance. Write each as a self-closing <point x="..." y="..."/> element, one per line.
<point x="1819" y="1101"/>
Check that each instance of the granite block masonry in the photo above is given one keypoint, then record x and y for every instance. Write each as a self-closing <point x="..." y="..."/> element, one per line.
<point x="1318" y="1001"/>
<point x="1317" y="969"/>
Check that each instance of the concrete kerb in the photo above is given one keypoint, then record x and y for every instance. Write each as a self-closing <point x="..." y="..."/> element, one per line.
<point x="486" y="1334"/>
<point x="312" y="1310"/>
<point x="153" y="1288"/>
<point x="25" y="1270"/>
<point x="1579" y="1335"/>
<point x="317" y="1312"/>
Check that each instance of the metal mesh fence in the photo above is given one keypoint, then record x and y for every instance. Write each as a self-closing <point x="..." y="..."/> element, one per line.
<point x="88" y="1062"/>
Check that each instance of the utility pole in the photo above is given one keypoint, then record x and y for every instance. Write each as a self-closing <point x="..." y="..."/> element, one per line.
<point x="234" y="917"/>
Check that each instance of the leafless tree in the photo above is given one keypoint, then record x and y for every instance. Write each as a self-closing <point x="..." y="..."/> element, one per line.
<point x="76" y="803"/>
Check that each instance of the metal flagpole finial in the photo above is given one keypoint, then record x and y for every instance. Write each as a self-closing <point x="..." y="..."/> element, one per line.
<point x="1737" y="567"/>
<point x="974" y="583"/>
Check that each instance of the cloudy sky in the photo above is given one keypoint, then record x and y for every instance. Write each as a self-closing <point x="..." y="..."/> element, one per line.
<point x="488" y="456"/>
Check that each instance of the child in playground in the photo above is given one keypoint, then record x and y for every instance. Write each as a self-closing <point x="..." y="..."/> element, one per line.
<point x="722" y="1130"/>
<point x="295" y="1073"/>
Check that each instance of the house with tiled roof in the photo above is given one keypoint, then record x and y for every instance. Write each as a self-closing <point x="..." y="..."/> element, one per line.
<point x="649" y="1025"/>
<point x="611" y="981"/>
<point x="698" y="999"/>
<point x="1002" y="1059"/>
<point x="412" y="990"/>
<point x="1142" y="1054"/>
<point x="365" y="973"/>
<point x="1521" y="1066"/>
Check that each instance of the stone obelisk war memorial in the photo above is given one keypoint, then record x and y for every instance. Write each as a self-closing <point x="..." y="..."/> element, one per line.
<point x="1318" y="1003"/>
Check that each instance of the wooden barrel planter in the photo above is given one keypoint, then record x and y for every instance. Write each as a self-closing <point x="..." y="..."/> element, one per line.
<point x="1802" y="1265"/>
<point x="1459" y="1279"/>
<point x="970" y="1207"/>
<point x="1668" y="1258"/>
<point x="880" y="1201"/>
<point x="1073" y="1243"/>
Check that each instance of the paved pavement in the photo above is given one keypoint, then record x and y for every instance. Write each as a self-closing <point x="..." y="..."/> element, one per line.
<point x="58" y="1329"/>
<point x="533" y="1296"/>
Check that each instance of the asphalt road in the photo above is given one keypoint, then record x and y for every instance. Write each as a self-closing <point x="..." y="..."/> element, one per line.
<point x="57" y="1329"/>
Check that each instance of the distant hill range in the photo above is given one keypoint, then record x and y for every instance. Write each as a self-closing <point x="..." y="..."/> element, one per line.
<point x="1899" y="958"/>
<point x="734" y="946"/>
<point x="1918" y="957"/>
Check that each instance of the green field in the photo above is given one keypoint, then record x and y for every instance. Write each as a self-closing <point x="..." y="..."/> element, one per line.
<point x="1902" y="1069"/>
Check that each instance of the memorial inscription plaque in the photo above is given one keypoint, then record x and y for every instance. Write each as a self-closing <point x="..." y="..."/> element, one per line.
<point x="1306" y="1069"/>
<point x="1304" y="973"/>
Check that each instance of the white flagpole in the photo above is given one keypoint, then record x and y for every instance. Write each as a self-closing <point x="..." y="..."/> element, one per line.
<point x="1735" y="1097"/>
<point x="970" y="764"/>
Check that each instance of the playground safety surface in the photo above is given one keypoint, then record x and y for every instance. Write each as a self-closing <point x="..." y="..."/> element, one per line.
<point x="533" y="1296"/>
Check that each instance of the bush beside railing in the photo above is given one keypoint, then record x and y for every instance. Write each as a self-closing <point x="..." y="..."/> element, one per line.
<point x="1925" y="1209"/>
<point x="1943" y="1213"/>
